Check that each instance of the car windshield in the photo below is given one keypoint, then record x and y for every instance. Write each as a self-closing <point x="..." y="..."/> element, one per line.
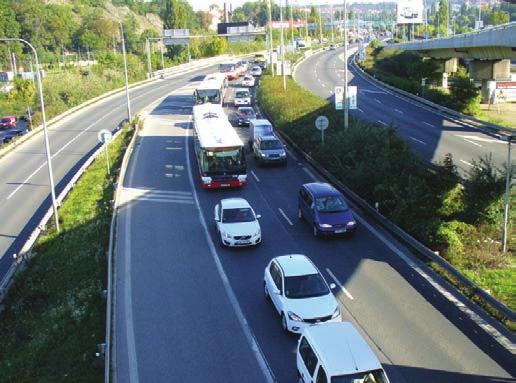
<point x="6" y="119"/>
<point x="271" y="144"/>
<point x="376" y="376"/>
<point x="257" y="69"/>
<point x="242" y="94"/>
<point x="243" y="214"/>
<point x="246" y="112"/>
<point x="248" y="78"/>
<point x="305" y="286"/>
<point x="330" y="204"/>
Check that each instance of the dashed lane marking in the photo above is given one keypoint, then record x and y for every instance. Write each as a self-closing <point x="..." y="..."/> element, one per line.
<point x="285" y="216"/>
<point x="255" y="176"/>
<point x="418" y="141"/>
<point x="341" y="286"/>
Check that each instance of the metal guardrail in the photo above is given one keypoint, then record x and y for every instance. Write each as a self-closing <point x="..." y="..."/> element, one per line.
<point x="401" y="235"/>
<point x="463" y="118"/>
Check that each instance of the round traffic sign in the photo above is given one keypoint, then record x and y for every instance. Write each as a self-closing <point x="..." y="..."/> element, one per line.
<point x="104" y="136"/>
<point x="321" y="123"/>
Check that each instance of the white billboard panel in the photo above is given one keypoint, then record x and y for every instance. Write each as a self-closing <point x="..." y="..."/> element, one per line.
<point x="410" y="12"/>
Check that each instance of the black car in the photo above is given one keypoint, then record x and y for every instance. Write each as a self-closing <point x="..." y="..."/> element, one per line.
<point x="245" y="114"/>
<point x="261" y="64"/>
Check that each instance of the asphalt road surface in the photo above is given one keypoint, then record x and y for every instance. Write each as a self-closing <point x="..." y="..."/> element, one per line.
<point x="188" y="310"/>
<point x="429" y="133"/>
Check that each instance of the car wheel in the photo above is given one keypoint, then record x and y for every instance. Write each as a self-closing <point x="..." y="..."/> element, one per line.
<point x="316" y="231"/>
<point x="299" y="213"/>
<point x="284" y="323"/>
<point x="266" y="293"/>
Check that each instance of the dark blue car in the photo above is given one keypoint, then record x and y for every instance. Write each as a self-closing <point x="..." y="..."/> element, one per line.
<point x="324" y="207"/>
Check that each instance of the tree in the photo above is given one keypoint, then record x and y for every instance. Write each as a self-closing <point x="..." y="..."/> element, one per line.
<point x="175" y="14"/>
<point x="498" y="17"/>
<point x="463" y="90"/>
<point x="204" y="19"/>
<point x="441" y="18"/>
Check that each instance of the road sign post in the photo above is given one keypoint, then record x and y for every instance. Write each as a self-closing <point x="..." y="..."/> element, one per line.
<point x="105" y="137"/>
<point x="339" y="97"/>
<point x="352" y="97"/>
<point x="321" y="123"/>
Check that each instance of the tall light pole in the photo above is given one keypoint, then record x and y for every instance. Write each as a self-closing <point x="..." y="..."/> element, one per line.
<point x="125" y="71"/>
<point x="148" y="52"/>
<point x="291" y="24"/>
<point x="320" y="25"/>
<point x="346" y="117"/>
<point x="269" y="3"/>
<point x="331" y="20"/>
<point x="507" y="192"/>
<point x="45" y="130"/>
<point x="282" y="43"/>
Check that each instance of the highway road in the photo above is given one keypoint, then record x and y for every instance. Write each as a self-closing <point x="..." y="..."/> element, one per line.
<point x="188" y="310"/>
<point x="24" y="184"/>
<point x="429" y="133"/>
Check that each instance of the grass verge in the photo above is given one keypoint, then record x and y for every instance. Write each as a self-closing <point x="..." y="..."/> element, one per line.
<point x="376" y="164"/>
<point x="54" y="315"/>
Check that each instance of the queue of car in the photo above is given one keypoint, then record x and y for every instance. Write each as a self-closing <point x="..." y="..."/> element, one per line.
<point x="328" y="349"/>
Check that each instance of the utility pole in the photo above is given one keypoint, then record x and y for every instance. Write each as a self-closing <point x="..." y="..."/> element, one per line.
<point x="269" y="3"/>
<point x="291" y="23"/>
<point x="125" y="72"/>
<point x="320" y="25"/>
<point x="507" y="192"/>
<point x="282" y="43"/>
<point x="149" y="64"/>
<point x="331" y="20"/>
<point x="346" y="117"/>
<point x="306" y="23"/>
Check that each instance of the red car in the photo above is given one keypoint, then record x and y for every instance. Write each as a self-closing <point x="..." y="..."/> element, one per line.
<point x="8" y="122"/>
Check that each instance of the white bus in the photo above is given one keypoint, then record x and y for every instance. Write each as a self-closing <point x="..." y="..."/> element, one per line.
<point x="219" y="150"/>
<point x="212" y="89"/>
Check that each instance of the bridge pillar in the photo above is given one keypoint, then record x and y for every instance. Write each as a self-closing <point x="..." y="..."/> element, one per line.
<point x="448" y="66"/>
<point x="488" y="71"/>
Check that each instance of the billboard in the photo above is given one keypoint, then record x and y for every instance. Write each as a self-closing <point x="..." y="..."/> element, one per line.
<point x="410" y="12"/>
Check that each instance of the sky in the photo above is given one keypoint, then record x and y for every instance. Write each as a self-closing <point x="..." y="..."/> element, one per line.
<point x="204" y="4"/>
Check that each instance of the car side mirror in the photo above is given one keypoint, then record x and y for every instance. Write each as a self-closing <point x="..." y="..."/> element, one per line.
<point x="333" y="286"/>
<point x="258" y="216"/>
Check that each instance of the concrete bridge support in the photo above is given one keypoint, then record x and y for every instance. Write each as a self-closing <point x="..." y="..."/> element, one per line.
<point x="488" y="71"/>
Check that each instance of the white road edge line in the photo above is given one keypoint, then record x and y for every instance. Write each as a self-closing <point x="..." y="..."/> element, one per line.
<point x="429" y="124"/>
<point x="285" y="216"/>
<point x="399" y="111"/>
<point x="472" y="142"/>
<point x="378" y="101"/>
<point x="248" y="332"/>
<point x="498" y="336"/>
<point x="467" y="163"/>
<point x="360" y="110"/>
<point x="381" y="122"/>
<point x="128" y="308"/>
<point x="255" y="176"/>
<point x="344" y="290"/>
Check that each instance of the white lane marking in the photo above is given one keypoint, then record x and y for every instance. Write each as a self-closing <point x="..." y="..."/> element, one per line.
<point x="285" y="216"/>
<point x="499" y="337"/>
<point x="481" y="139"/>
<point x="344" y="290"/>
<point x="372" y="91"/>
<point x="419" y="141"/>
<point x="427" y="123"/>
<point x="381" y="122"/>
<point x="310" y="174"/>
<point x="472" y="142"/>
<point x="399" y="111"/>
<point x="360" y="110"/>
<point x="378" y="101"/>
<point x="179" y="201"/>
<point x="128" y="294"/>
<point x="255" y="176"/>
<point x="323" y="85"/>
<point x="246" y="328"/>
<point x="467" y="163"/>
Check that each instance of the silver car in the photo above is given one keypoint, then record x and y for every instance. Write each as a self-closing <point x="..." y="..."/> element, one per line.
<point x="269" y="150"/>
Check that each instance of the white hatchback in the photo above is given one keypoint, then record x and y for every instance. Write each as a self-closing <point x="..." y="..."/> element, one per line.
<point x="248" y="80"/>
<point x="299" y="293"/>
<point x="242" y="97"/>
<point x="237" y="224"/>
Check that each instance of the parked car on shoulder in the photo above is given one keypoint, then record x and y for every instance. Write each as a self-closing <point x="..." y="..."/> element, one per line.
<point x="256" y="71"/>
<point x="269" y="150"/>
<point x="248" y="80"/>
<point x="242" y="97"/>
<point x="299" y="293"/>
<point x="8" y="122"/>
<point x="237" y="224"/>
<point x="245" y="114"/>
<point x="325" y="208"/>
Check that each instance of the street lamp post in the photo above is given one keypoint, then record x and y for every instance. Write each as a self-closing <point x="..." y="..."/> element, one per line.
<point x="125" y="71"/>
<point x="45" y="130"/>
<point x="282" y="43"/>
<point x="270" y="36"/>
<point x="507" y="191"/>
<point x="346" y="113"/>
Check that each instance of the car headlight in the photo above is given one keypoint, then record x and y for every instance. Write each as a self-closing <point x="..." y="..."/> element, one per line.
<point x="325" y="225"/>
<point x="226" y="235"/>
<point x="351" y="223"/>
<point x="336" y="313"/>
<point x="294" y="317"/>
<point x="263" y="154"/>
<point x="283" y="154"/>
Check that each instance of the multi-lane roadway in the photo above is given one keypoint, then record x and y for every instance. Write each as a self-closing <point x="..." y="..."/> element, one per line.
<point x="430" y="134"/>
<point x="188" y="310"/>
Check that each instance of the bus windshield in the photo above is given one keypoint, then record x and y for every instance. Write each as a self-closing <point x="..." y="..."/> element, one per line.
<point x="223" y="162"/>
<point x="207" y="95"/>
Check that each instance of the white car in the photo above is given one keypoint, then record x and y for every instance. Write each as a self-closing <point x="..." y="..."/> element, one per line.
<point x="237" y="224"/>
<point x="299" y="293"/>
<point x="248" y="80"/>
<point x="256" y="71"/>
<point x="242" y="97"/>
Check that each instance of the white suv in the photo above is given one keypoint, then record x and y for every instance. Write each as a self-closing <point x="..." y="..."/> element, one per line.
<point x="242" y="97"/>
<point x="237" y="224"/>
<point x="299" y="293"/>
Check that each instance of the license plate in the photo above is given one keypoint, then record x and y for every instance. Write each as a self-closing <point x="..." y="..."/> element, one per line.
<point x="243" y="242"/>
<point x="224" y="185"/>
<point x="340" y="231"/>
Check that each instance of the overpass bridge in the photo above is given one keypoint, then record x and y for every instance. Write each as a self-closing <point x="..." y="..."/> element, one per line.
<point x="488" y="51"/>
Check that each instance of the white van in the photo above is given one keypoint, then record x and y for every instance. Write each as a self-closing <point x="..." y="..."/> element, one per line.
<point x="242" y="97"/>
<point x="336" y="353"/>
<point x="259" y="128"/>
